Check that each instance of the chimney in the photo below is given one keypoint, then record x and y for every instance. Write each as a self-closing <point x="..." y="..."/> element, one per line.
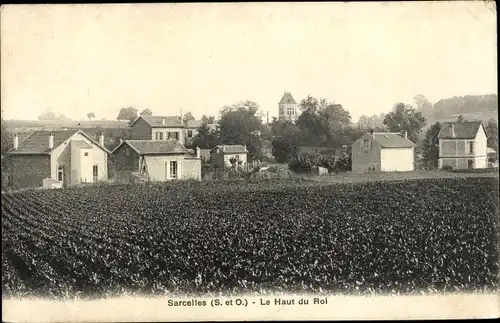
<point x="406" y="134"/>
<point x="162" y="120"/>
<point x="16" y="141"/>
<point x="452" y="130"/>
<point x="198" y="152"/>
<point x="101" y="139"/>
<point x="51" y="141"/>
<point x="245" y="147"/>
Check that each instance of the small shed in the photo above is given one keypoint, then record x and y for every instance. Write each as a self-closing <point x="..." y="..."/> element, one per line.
<point x="318" y="170"/>
<point x="51" y="183"/>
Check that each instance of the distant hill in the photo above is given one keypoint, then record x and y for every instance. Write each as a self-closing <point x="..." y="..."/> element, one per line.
<point x="30" y="125"/>
<point x="471" y="107"/>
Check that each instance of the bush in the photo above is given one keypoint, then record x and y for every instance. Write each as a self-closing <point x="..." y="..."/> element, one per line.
<point x="303" y="162"/>
<point x="447" y="168"/>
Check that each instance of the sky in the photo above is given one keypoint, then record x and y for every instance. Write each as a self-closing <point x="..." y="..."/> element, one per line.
<point x="75" y="59"/>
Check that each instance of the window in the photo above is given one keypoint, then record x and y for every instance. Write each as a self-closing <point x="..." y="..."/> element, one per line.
<point x="86" y="154"/>
<point x="95" y="173"/>
<point x="190" y="133"/>
<point x="173" y="169"/>
<point x="470" y="164"/>
<point x="127" y="152"/>
<point x="470" y="147"/>
<point x="60" y="173"/>
<point x="173" y="135"/>
<point x="159" y="136"/>
<point x="290" y="111"/>
<point x="366" y="143"/>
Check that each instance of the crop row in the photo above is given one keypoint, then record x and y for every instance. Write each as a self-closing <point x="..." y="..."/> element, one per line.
<point x="420" y="235"/>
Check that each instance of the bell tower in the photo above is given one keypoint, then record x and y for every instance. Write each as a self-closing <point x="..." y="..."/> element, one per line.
<point x="287" y="108"/>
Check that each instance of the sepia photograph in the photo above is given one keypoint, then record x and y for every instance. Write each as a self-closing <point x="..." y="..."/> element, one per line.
<point x="249" y="161"/>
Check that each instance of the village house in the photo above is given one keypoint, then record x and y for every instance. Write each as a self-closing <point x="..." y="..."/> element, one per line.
<point x="462" y="145"/>
<point x="158" y="160"/>
<point x="158" y="128"/>
<point x="58" y="158"/>
<point x="383" y="152"/>
<point x="221" y="155"/>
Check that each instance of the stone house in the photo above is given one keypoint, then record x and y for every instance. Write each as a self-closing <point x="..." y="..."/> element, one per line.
<point x="383" y="152"/>
<point x="69" y="157"/>
<point x="463" y="145"/>
<point x="159" y="161"/>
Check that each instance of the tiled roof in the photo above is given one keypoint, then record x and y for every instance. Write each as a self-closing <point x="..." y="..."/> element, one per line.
<point x="81" y="144"/>
<point x="231" y="149"/>
<point x="156" y="121"/>
<point x="287" y="98"/>
<point x="38" y="142"/>
<point x="392" y="140"/>
<point x="146" y="147"/>
<point x="463" y="130"/>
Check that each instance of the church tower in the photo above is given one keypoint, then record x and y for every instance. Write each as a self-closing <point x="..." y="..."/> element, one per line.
<point x="287" y="108"/>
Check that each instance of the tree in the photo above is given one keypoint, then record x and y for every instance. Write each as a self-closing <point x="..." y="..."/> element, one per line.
<point x="47" y="115"/>
<point x="146" y="112"/>
<point x="430" y="145"/>
<point x="313" y="126"/>
<point x="205" y="138"/>
<point x="405" y="118"/>
<point x="425" y="106"/>
<point x="284" y="144"/>
<point x="208" y="119"/>
<point x="492" y="133"/>
<point x="187" y="117"/>
<point x="90" y="115"/>
<point x="62" y="117"/>
<point x="127" y="114"/>
<point x="336" y="117"/>
<point x="237" y="125"/>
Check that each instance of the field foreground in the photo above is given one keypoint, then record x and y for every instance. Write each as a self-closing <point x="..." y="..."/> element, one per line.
<point x="415" y="236"/>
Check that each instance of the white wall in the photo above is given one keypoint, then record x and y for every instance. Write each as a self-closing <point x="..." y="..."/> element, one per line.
<point x="480" y="143"/>
<point x="156" y="167"/>
<point x="396" y="159"/>
<point x="97" y="156"/>
<point x="165" y="131"/>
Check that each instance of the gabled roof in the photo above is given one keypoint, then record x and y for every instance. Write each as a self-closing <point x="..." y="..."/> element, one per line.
<point x="390" y="140"/>
<point x="81" y="144"/>
<point x="230" y="149"/>
<point x="287" y="98"/>
<point x="463" y="130"/>
<point x="157" y="147"/>
<point x="37" y="143"/>
<point x="156" y="121"/>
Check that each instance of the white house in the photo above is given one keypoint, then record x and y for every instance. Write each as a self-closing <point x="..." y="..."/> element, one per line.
<point x="383" y="152"/>
<point x="221" y="155"/>
<point x="69" y="157"/>
<point x="463" y="145"/>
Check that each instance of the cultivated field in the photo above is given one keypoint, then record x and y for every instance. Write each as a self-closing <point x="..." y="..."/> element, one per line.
<point x="428" y="235"/>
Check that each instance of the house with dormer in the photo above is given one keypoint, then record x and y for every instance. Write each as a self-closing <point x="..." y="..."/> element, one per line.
<point x="463" y="145"/>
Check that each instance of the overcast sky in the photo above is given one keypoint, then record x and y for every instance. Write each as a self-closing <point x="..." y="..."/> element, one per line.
<point x="76" y="59"/>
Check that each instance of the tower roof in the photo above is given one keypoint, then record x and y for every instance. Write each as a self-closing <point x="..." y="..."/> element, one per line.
<point x="287" y="98"/>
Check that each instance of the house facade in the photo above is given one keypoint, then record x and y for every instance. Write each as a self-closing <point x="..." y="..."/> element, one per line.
<point x="383" y="152"/>
<point x="463" y="145"/>
<point x="69" y="157"/>
<point x="158" y="128"/>
<point x="287" y="108"/>
<point x="221" y="155"/>
<point x="159" y="161"/>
